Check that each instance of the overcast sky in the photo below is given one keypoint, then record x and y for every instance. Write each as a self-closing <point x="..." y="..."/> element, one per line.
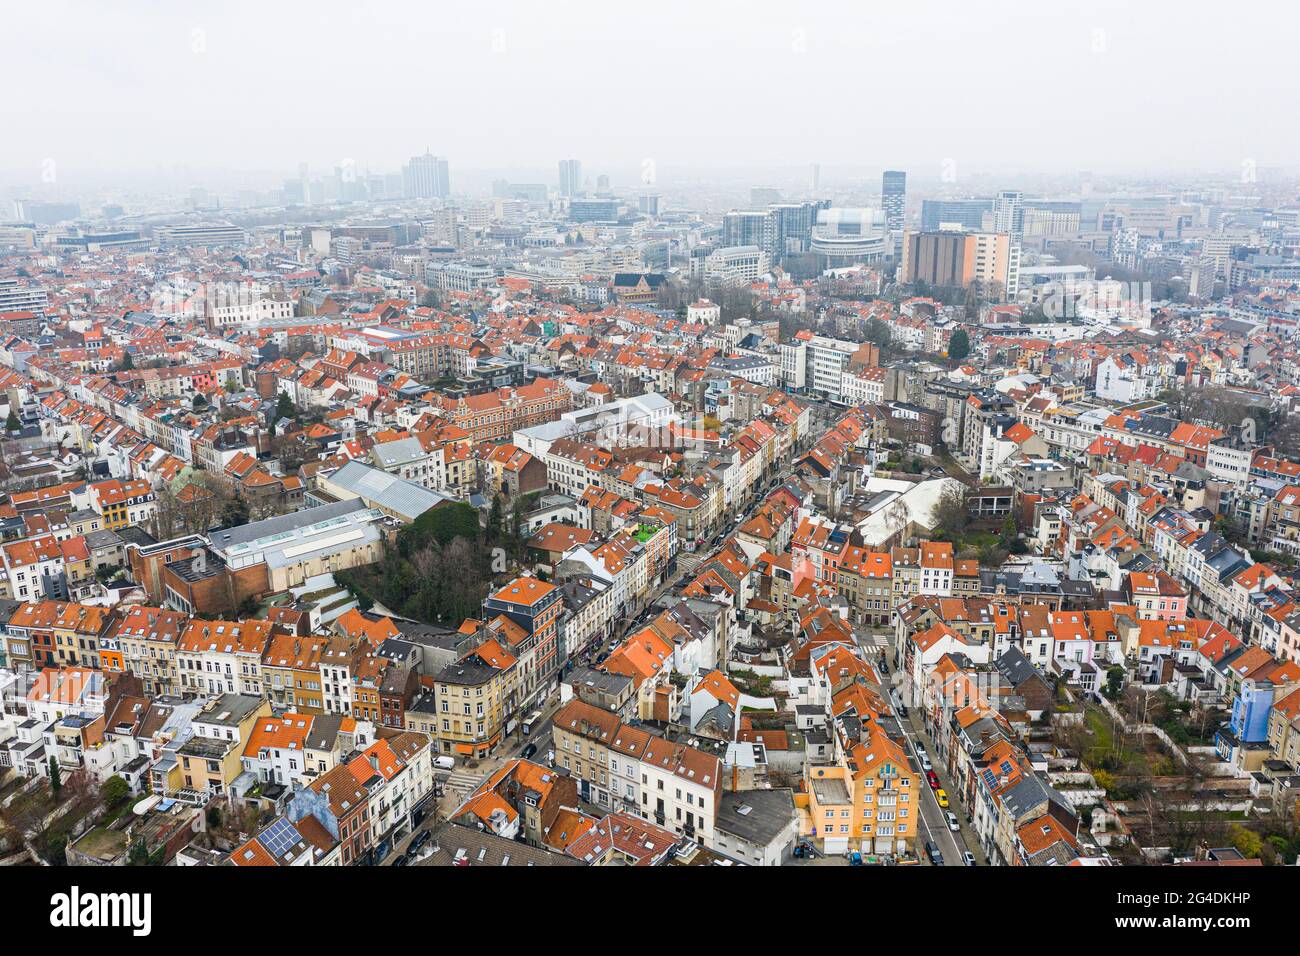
<point x="262" y="86"/>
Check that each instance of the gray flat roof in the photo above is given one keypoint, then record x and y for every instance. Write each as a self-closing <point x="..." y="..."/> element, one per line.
<point x="293" y="538"/>
<point x="386" y="491"/>
<point x="757" y="816"/>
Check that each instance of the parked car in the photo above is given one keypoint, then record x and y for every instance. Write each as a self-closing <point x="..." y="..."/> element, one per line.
<point x="932" y="851"/>
<point x="931" y="776"/>
<point x="528" y="751"/>
<point x="925" y="763"/>
<point x="444" y="763"/>
<point x="968" y="858"/>
<point x="952" y="821"/>
<point x="420" y="840"/>
<point x="402" y="860"/>
<point x="942" y="796"/>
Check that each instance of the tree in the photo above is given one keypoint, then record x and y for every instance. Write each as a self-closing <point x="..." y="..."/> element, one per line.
<point x="56" y="775"/>
<point x="114" y="790"/>
<point x="127" y="363"/>
<point x="959" y="345"/>
<point x="138" y="855"/>
<point x="235" y="512"/>
<point x="1114" y="681"/>
<point x="12" y="423"/>
<point x="284" y="408"/>
<point x="442" y="524"/>
<point x="1247" y="842"/>
<point x="199" y="402"/>
<point x="878" y="333"/>
<point x="950" y="514"/>
<point x="495" y="521"/>
<point x="55" y="845"/>
<point x="1009" y="531"/>
<point x="519" y="526"/>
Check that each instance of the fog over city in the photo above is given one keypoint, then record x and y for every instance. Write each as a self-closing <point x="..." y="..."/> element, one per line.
<point x="252" y="89"/>
<point x="696" y="435"/>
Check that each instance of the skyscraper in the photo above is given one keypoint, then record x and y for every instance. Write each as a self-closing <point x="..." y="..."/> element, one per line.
<point x="780" y="229"/>
<point x="1009" y="212"/>
<point x="748" y="227"/>
<point x="426" y="177"/>
<point x="893" y="199"/>
<point x="1009" y="218"/>
<point x="570" y="177"/>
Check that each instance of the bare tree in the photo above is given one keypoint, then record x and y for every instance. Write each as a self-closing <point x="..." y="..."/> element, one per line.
<point x="950" y="514"/>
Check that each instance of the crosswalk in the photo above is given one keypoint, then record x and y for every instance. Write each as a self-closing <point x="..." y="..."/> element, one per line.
<point x="461" y="782"/>
<point x="686" y="563"/>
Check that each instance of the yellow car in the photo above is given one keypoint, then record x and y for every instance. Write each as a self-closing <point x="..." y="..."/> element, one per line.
<point x="942" y="796"/>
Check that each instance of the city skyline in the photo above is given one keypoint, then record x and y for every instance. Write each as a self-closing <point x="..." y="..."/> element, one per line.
<point x="689" y="436"/>
<point x="193" y="87"/>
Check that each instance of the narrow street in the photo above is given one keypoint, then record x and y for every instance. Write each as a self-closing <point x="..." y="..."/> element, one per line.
<point x="461" y="781"/>
<point x="934" y="819"/>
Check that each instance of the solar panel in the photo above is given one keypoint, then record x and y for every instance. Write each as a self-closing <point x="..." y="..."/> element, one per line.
<point x="280" y="837"/>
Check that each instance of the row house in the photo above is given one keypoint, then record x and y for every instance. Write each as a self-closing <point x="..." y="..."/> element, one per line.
<point x="294" y="748"/>
<point x="216" y="657"/>
<point x="625" y="768"/>
<point x="145" y="644"/>
<point x="396" y="773"/>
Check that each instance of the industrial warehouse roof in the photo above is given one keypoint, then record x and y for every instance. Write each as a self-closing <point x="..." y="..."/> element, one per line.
<point x="387" y="492"/>
<point x="292" y="538"/>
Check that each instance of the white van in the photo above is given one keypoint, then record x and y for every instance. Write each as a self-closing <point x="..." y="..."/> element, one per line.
<point x="444" y="763"/>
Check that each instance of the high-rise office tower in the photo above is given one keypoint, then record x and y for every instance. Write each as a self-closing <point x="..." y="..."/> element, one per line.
<point x="815" y="183"/>
<point x="957" y="260"/>
<point x="792" y="225"/>
<point x="570" y="177"/>
<point x="780" y="229"/>
<point x="747" y="227"/>
<point x="1009" y="218"/>
<point x="426" y="177"/>
<point x="893" y="199"/>
<point x="965" y="214"/>
<point x="1009" y="212"/>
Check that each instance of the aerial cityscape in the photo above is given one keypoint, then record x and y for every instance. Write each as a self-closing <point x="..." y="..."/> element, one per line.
<point x="393" y="489"/>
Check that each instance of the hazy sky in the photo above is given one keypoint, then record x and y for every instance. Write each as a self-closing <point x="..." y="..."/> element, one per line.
<point x="261" y="86"/>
